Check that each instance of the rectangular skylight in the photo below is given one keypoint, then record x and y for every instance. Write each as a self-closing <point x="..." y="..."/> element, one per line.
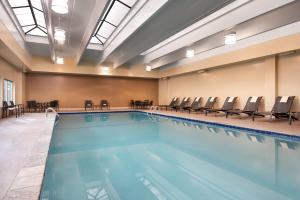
<point x="113" y="15"/>
<point x="30" y="16"/>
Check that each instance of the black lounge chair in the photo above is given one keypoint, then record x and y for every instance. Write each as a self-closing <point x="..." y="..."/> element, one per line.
<point x="228" y="105"/>
<point x="174" y="102"/>
<point x="88" y="104"/>
<point x="195" y="105"/>
<point x="208" y="105"/>
<point x="250" y="108"/>
<point x="184" y="103"/>
<point x="104" y="104"/>
<point x="281" y="109"/>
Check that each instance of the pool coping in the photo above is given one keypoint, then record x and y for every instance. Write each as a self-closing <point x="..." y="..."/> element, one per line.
<point x="277" y="134"/>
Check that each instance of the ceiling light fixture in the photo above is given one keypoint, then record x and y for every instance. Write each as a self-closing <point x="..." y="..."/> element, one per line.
<point x="230" y="38"/>
<point x="190" y="53"/>
<point x="60" y="36"/>
<point x="60" y="6"/>
<point x="59" y="60"/>
<point x="148" y="68"/>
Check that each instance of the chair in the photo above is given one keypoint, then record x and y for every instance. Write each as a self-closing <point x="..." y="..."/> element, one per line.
<point x="173" y="102"/>
<point x="131" y="104"/>
<point x="54" y="104"/>
<point x="19" y="108"/>
<point x="228" y="105"/>
<point x="104" y="104"/>
<point x="208" y="105"/>
<point x="88" y="104"/>
<point x="138" y="104"/>
<point x="184" y="103"/>
<point x="195" y="105"/>
<point x="250" y="108"/>
<point x="33" y="106"/>
<point x="281" y="109"/>
<point x="7" y="110"/>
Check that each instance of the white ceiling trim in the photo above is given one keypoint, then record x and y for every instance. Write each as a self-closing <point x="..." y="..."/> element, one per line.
<point x="138" y="15"/>
<point x="283" y="31"/>
<point x="225" y="18"/>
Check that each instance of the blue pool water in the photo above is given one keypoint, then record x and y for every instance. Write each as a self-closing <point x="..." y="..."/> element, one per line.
<point x="135" y="156"/>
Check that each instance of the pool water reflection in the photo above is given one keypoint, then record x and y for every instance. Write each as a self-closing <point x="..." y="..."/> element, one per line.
<point x="138" y="156"/>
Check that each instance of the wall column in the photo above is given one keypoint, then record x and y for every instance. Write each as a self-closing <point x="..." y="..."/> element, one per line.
<point x="271" y="82"/>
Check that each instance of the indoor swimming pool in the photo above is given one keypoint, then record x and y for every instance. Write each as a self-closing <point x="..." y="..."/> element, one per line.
<point x="136" y="156"/>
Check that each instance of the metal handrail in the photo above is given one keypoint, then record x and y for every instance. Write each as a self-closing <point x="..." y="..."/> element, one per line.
<point x="51" y="109"/>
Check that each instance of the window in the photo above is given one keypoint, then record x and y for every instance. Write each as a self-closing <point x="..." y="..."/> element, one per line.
<point x="113" y="15"/>
<point x="8" y="91"/>
<point x="30" y="15"/>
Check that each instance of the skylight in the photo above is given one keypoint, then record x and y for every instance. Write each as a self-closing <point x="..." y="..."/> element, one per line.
<point x="30" y="16"/>
<point x="113" y="15"/>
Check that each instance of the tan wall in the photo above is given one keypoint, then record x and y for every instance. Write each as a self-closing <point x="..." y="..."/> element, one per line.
<point x="261" y="77"/>
<point x="289" y="77"/>
<point x="72" y="90"/>
<point x="7" y="71"/>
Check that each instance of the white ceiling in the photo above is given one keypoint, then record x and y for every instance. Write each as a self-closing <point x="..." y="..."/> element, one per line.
<point x="155" y="32"/>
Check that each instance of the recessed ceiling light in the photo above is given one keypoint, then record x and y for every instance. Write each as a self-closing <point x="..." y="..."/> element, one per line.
<point x="59" y="60"/>
<point x="190" y="53"/>
<point x="148" y="68"/>
<point x="60" y="6"/>
<point x="105" y="68"/>
<point x="60" y="36"/>
<point x="230" y="38"/>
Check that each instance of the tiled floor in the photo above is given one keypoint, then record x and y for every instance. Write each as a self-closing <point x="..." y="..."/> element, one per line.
<point x="24" y="144"/>
<point x="275" y="125"/>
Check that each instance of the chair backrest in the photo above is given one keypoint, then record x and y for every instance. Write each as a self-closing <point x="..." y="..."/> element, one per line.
<point x="4" y="104"/>
<point x="88" y="102"/>
<point x="174" y="101"/>
<point x="229" y="103"/>
<point x="210" y="102"/>
<point x="104" y="102"/>
<point x="252" y="104"/>
<point x="31" y="104"/>
<point x="54" y="103"/>
<point x="283" y="104"/>
<point x="196" y="103"/>
<point x="12" y="103"/>
<point x="185" y="101"/>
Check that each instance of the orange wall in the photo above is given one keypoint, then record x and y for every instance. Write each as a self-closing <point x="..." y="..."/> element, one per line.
<point x="72" y="90"/>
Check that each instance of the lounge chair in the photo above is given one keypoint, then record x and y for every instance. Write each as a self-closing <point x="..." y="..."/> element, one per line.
<point x="184" y="103"/>
<point x="173" y="102"/>
<point x="228" y="105"/>
<point x="88" y="104"/>
<point x="104" y="104"/>
<point x="208" y="105"/>
<point x="281" y="109"/>
<point x="195" y="105"/>
<point x="250" y="108"/>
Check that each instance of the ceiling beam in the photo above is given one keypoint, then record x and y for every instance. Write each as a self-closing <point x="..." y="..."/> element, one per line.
<point x="174" y="16"/>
